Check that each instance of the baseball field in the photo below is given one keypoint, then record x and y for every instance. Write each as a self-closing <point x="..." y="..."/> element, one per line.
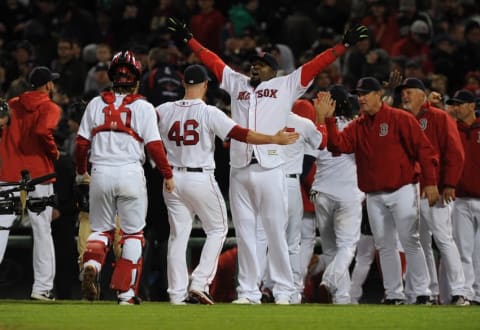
<point x="21" y="314"/>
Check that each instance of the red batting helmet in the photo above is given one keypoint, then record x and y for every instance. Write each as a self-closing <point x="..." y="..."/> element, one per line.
<point x="124" y="69"/>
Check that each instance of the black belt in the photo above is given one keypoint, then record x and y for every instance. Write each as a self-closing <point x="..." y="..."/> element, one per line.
<point x="253" y="161"/>
<point x="188" y="169"/>
<point x="293" y="176"/>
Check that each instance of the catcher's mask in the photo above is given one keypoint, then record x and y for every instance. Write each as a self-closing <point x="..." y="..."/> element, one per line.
<point x="124" y="69"/>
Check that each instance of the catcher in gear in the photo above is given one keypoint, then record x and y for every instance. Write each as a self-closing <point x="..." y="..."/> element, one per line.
<point x="116" y="128"/>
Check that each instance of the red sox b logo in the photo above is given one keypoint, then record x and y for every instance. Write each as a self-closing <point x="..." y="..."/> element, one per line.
<point x="383" y="129"/>
<point x="267" y="92"/>
<point x="423" y="123"/>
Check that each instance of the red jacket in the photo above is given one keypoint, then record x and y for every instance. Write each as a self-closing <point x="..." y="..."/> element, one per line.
<point x="441" y="131"/>
<point x="387" y="147"/>
<point x="469" y="184"/>
<point x="27" y="143"/>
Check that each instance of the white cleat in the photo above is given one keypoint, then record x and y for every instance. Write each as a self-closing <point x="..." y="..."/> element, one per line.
<point x="245" y="301"/>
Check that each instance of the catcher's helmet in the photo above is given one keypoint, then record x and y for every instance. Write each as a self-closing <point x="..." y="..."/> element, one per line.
<point x="124" y="69"/>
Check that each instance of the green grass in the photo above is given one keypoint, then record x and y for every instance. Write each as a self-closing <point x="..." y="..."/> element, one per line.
<point x="18" y="314"/>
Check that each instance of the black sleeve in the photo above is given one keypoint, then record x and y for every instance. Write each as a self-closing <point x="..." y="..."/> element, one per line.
<point x="308" y="162"/>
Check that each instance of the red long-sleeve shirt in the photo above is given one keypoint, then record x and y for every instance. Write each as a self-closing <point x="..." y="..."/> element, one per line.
<point x="387" y="147"/>
<point x="469" y="183"/>
<point x="28" y="143"/>
<point x="441" y="131"/>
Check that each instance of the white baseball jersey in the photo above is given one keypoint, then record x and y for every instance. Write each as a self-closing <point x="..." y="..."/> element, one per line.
<point x="112" y="148"/>
<point x="188" y="129"/>
<point x="309" y="136"/>
<point x="264" y="109"/>
<point x="337" y="175"/>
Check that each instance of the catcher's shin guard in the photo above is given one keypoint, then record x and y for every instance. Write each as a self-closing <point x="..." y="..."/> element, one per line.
<point x="123" y="275"/>
<point x="97" y="248"/>
<point x="127" y="273"/>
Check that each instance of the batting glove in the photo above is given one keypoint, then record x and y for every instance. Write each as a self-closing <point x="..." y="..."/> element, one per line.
<point x="179" y="29"/>
<point x="354" y="35"/>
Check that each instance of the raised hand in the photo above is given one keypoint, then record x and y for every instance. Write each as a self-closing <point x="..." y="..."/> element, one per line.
<point x="179" y="29"/>
<point x="354" y="35"/>
<point x="324" y="106"/>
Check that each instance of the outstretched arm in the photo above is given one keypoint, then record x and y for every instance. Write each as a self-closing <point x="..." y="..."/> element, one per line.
<point x="211" y="60"/>
<point x="324" y="59"/>
<point x="247" y="135"/>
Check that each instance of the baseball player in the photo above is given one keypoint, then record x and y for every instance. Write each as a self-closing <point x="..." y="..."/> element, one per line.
<point x="257" y="179"/>
<point x="435" y="221"/>
<point x="28" y="143"/>
<point x="338" y="206"/>
<point x="115" y="128"/>
<point x="188" y="128"/>
<point x="388" y="143"/>
<point x="466" y="209"/>
<point x="310" y="138"/>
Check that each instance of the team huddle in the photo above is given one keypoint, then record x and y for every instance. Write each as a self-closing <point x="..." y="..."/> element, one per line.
<point x="295" y="167"/>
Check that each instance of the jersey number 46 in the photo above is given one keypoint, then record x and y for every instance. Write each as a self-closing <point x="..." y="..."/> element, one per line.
<point x="189" y="137"/>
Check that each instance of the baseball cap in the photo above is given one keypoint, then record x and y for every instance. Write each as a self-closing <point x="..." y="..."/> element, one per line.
<point x="41" y="75"/>
<point x="367" y="84"/>
<point x="195" y="74"/>
<point x="461" y="96"/>
<point x="411" y="83"/>
<point x="419" y="27"/>
<point x="267" y="58"/>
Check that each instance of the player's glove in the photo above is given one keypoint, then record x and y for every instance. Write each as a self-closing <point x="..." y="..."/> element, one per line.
<point x="179" y="29"/>
<point x="354" y="35"/>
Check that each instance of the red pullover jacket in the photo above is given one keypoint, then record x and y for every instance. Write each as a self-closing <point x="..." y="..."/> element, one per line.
<point x="440" y="129"/>
<point x="28" y="143"/>
<point x="469" y="184"/>
<point x="387" y="147"/>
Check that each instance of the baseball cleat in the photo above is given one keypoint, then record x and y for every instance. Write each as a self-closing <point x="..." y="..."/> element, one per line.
<point x="393" y="302"/>
<point x="267" y="296"/>
<point x="42" y="296"/>
<point x="246" y="301"/>
<point x="201" y="296"/>
<point x="132" y="301"/>
<point x="459" y="301"/>
<point x="423" y="300"/>
<point x="90" y="285"/>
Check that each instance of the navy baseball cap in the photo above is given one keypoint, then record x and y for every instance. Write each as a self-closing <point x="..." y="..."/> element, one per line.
<point x="367" y="85"/>
<point x="461" y="96"/>
<point x="41" y="75"/>
<point x="195" y="74"/>
<point x="411" y="83"/>
<point x="267" y="58"/>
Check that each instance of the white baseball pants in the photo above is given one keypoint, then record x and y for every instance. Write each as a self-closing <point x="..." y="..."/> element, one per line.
<point x="436" y="221"/>
<point x="363" y="260"/>
<point x="259" y="194"/>
<point x="339" y="227"/>
<point x="195" y="193"/>
<point x="393" y="212"/>
<point x="43" y="249"/>
<point x="466" y="233"/>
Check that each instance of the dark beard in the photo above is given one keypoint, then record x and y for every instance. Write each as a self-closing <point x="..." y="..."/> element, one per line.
<point x="254" y="83"/>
